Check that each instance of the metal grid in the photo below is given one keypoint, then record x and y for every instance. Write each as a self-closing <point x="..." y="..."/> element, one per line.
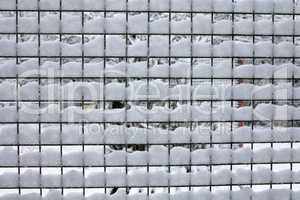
<point x="169" y="125"/>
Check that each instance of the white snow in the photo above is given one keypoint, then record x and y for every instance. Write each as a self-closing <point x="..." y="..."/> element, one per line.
<point x="222" y="27"/>
<point x="222" y="6"/>
<point x="8" y="179"/>
<point x="158" y="155"/>
<point x="73" y="178"/>
<point x="8" y="133"/>
<point x="263" y="6"/>
<point x="27" y="4"/>
<point x="8" y="90"/>
<point x="243" y="5"/>
<point x="263" y="49"/>
<point x="50" y="23"/>
<point x="116" y="158"/>
<point x="159" y="46"/>
<point x="202" y="24"/>
<point x="8" y="24"/>
<point x="116" y="178"/>
<point x="28" y="25"/>
<point x="30" y="178"/>
<point x="179" y="156"/>
<point x="7" y="4"/>
<point x="115" y="24"/>
<point x="223" y="49"/>
<point x="244" y="26"/>
<point x="8" y="47"/>
<point x="140" y="19"/>
<point x="284" y="27"/>
<point x="49" y="5"/>
<point x="95" y="179"/>
<point x="244" y="71"/>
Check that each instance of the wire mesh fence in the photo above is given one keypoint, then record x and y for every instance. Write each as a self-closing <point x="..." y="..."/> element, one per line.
<point x="149" y="99"/>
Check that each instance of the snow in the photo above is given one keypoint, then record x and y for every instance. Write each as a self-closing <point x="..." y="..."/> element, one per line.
<point x="137" y="5"/>
<point x="284" y="49"/>
<point x="115" y="4"/>
<point x="202" y="24"/>
<point x="116" y="178"/>
<point x="94" y="25"/>
<point x="30" y="178"/>
<point x="8" y="114"/>
<point x="263" y="49"/>
<point x="116" y="158"/>
<point x="8" y="179"/>
<point x="179" y="156"/>
<point x="140" y="19"/>
<point x="8" y="47"/>
<point x="241" y="176"/>
<point x="221" y="177"/>
<point x="243" y="49"/>
<point x="263" y="6"/>
<point x="284" y="27"/>
<point x="223" y="49"/>
<point x="137" y="178"/>
<point x="95" y="179"/>
<point x="27" y="4"/>
<point x="30" y="159"/>
<point x="137" y="158"/>
<point x="242" y="155"/>
<point x="200" y="156"/>
<point x="8" y="4"/>
<point x="283" y="6"/>
<point x="205" y="5"/>
<point x="181" y="48"/>
<point x="8" y="90"/>
<point x="50" y="23"/>
<point x="243" y="5"/>
<point x="8" y="24"/>
<point x="28" y="25"/>
<point x="221" y="155"/>
<point x="94" y="47"/>
<point x="138" y="48"/>
<point x="182" y="26"/>
<point x="160" y="25"/>
<point x="50" y="180"/>
<point x="49" y="5"/>
<point x="159" y="46"/>
<point x="72" y="4"/>
<point x="261" y="175"/>
<point x="262" y="134"/>
<point x="50" y="48"/>
<point x="29" y="91"/>
<point x="71" y="49"/>
<point x="158" y="155"/>
<point x="179" y="177"/>
<point x="244" y="26"/>
<point x="222" y="6"/>
<point x="72" y="178"/>
<point x="93" y="5"/>
<point x="159" y="5"/>
<point x="244" y="71"/>
<point x="72" y="159"/>
<point x="202" y="49"/>
<point x="28" y="134"/>
<point x="50" y="158"/>
<point x="222" y="69"/>
<point x="8" y="68"/>
<point x="242" y="134"/>
<point x="262" y="155"/>
<point x="115" y="45"/>
<point x="179" y="5"/>
<point x="222" y="27"/>
<point x="115" y="24"/>
<point x="158" y="178"/>
<point x="8" y="133"/>
<point x="264" y="26"/>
